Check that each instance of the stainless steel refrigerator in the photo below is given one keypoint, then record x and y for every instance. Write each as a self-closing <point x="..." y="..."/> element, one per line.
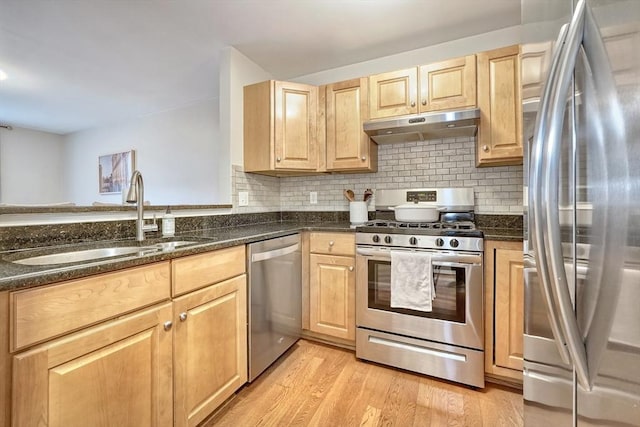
<point x="581" y="121"/>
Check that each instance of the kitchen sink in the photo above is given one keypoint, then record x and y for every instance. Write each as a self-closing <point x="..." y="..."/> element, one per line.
<point x="84" y="255"/>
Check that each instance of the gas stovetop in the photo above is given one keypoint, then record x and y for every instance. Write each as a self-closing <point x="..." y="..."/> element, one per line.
<point x="456" y="228"/>
<point x="457" y="235"/>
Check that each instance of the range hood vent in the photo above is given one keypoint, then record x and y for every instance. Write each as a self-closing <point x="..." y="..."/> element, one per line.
<point x="423" y="127"/>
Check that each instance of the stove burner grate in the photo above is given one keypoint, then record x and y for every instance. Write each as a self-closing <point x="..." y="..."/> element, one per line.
<point x="456" y="225"/>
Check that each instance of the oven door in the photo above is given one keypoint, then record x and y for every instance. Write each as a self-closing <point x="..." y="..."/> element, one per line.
<point x="457" y="313"/>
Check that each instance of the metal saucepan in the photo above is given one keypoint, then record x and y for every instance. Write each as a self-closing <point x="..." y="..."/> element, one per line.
<point x="416" y="212"/>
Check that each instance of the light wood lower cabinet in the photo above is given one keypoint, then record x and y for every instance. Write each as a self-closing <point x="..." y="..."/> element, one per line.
<point x="118" y="351"/>
<point x="504" y="309"/>
<point x="332" y="296"/>
<point x="5" y="362"/>
<point x="332" y="280"/>
<point x="115" y="374"/>
<point x="210" y="348"/>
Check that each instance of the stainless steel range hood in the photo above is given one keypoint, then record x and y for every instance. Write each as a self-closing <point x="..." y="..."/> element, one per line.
<point x="421" y="127"/>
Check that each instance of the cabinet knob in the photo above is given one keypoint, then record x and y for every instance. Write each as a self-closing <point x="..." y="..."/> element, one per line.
<point x="351" y="268"/>
<point x="424" y="102"/>
<point x="167" y="325"/>
<point x="363" y="158"/>
<point x="277" y="159"/>
<point x="331" y="243"/>
<point x="413" y="103"/>
<point x="183" y="316"/>
<point x="485" y="148"/>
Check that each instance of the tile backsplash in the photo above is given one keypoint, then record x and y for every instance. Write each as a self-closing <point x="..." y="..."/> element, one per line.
<point x="430" y="164"/>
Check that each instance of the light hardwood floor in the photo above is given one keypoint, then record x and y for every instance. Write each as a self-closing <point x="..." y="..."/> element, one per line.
<point x="318" y="385"/>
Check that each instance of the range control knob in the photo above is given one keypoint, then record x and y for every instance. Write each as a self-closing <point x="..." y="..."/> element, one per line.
<point x="387" y="239"/>
<point x="413" y="241"/>
<point x="375" y="238"/>
<point x="454" y="243"/>
<point x="439" y="242"/>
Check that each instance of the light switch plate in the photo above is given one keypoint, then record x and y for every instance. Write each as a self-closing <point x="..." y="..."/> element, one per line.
<point x="243" y="198"/>
<point x="313" y="197"/>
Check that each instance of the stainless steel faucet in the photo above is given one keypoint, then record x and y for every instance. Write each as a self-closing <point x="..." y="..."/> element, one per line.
<point x="136" y="195"/>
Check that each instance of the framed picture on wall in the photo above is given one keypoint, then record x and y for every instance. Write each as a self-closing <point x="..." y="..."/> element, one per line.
<point x="114" y="171"/>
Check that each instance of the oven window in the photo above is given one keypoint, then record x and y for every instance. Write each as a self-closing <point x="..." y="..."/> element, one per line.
<point x="449" y="282"/>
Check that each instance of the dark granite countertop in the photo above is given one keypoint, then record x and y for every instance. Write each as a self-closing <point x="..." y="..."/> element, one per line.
<point x="216" y="236"/>
<point x="16" y="276"/>
<point x="504" y="234"/>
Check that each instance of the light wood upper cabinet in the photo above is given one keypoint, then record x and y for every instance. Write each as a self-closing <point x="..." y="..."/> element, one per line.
<point x="448" y="84"/>
<point x="439" y="86"/>
<point x="280" y="128"/>
<point x="118" y="373"/>
<point x="394" y="93"/>
<point x="500" y="102"/>
<point x="348" y="148"/>
<point x="332" y="285"/>
<point x="210" y="348"/>
<point x="504" y="305"/>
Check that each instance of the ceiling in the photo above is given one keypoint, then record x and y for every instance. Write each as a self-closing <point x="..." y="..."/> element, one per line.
<point x="78" y="64"/>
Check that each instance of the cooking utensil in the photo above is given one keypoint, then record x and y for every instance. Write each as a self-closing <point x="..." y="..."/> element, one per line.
<point x="349" y="195"/>
<point x="416" y="212"/>
<point x="367" y="194"/>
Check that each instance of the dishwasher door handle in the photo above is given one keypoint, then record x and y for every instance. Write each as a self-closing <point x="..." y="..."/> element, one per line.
<point x="262" y="256"/>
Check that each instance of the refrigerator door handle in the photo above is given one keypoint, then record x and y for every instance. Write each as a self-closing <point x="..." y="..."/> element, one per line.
<point x="535" y="196"/>
<point x="549" y="183"/>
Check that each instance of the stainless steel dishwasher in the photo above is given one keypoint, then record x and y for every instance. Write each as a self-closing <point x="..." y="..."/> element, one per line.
<point x="275" y="300"/>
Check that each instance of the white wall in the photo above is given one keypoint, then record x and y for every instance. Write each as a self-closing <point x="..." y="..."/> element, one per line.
<point x="236" y="71"/>
<point x="31" y="165"/>
<point x="177" y="152"/>
<point x="452" y="49"/>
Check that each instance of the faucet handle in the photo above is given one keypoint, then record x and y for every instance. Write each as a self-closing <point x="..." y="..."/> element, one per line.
<point x="153" y="226"/>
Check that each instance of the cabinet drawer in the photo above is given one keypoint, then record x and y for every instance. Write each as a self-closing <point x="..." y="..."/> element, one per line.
<point x="198" y="271"/>
<point x="43" y="313"/>
<point x="333" y="243"/>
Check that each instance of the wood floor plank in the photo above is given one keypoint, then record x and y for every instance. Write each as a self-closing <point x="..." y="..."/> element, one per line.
<point x="318" y="385"/>
<point x="400" y="404"/>
<point x="315" y="389"/>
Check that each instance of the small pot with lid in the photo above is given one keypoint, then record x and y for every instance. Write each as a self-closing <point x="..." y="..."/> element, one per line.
<point x="416" y="212"/>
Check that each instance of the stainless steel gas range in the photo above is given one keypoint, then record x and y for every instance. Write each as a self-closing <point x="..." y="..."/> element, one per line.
<point x="429" y="318"/>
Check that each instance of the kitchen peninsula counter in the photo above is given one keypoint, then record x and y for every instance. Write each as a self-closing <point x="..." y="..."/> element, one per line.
<point x="16" y="276"/>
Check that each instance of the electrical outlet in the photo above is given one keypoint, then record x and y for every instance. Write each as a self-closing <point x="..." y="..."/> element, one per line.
<point x="243" y="198"/>
<point x="313" y="197"/>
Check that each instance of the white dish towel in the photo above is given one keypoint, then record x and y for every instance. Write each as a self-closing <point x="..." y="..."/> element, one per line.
<point x="412" y="284"/>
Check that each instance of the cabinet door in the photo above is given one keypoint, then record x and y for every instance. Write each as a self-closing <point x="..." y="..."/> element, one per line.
<point x="348" y="147"/>
<point x="332" y="295"/>
<point x="296" y="109"/>
<point x="500" y="101"/>
<point x="210" y="348"/>
<point x="504" y="309"/>
<point x="509" y="309"/>
<point x="393" y="93"/>
<point x="448" y="84"/>
<point x="115" y="374"/>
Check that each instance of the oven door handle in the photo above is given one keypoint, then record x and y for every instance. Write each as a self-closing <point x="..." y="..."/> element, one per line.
<point x="439" y="258"/>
